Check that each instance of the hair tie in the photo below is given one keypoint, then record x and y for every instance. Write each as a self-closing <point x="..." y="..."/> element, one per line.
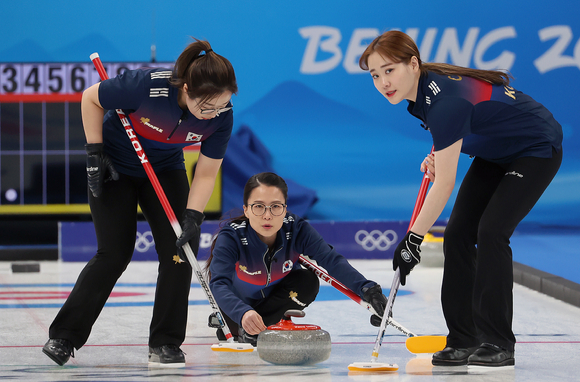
<point x="201" y="55"/>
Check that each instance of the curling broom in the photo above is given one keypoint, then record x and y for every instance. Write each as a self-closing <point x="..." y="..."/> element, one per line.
<point x="373" y="365"/>
<point x="415" y="344"/>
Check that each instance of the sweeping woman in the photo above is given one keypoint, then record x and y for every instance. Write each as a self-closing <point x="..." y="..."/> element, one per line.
<point x="170" y="109"/>
<point x="516" y="146"/>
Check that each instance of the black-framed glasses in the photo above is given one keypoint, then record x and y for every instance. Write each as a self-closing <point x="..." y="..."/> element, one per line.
<point x="276" y="209"/>
<point x="216" y="111"/>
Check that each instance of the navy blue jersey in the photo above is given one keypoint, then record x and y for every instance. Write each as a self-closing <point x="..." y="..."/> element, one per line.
<point x="496" y="122"/>
<point x="241" y="276"/>
<point x="162" y="127"/>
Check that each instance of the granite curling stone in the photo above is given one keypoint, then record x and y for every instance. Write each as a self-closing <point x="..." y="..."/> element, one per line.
<point x="286" y="343"/>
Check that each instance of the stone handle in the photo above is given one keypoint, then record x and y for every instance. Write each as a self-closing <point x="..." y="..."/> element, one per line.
<point x="294" y="313"/>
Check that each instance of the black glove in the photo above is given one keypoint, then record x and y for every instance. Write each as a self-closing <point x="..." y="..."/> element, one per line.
<point x="192" y="219"/>
<point x="100" y="168"/>
<point x="374" y="296"/>
<point x="407" y="254"/>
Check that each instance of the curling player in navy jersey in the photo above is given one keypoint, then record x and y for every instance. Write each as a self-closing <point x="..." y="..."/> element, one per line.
<point x="171" y="109"/>
<point x="253" y="267"/>
<point x="516" y="146"/>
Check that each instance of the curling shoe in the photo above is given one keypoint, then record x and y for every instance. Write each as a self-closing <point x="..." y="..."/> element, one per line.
<point x="166" y="356"/>
<point x="452" y="356"/>
<point x="492" y="356"/>
<point x="59" y="350"/>
<point x="244" y="337"/>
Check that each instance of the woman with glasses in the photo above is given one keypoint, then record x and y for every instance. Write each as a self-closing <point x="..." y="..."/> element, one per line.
<point x="170" y="109"/>
<point x="253" y="266"/>
<point x="516" y="146"/>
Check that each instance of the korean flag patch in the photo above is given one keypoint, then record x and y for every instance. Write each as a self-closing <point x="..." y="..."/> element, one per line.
<point x="287" y="267"/>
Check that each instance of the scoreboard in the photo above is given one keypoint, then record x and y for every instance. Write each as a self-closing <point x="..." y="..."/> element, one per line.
<point x="58" y="78"/>
<point x="42" y="156"/>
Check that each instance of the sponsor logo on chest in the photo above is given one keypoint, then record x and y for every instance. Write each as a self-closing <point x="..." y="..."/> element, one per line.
<point x="244" y="269"/>
<point x="146" y="122"/>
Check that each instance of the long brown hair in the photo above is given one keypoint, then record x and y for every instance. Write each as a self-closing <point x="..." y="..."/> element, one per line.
<point x="400" y="48"/>
<point x="207" y="75"/>
<point x="264" y="178"/>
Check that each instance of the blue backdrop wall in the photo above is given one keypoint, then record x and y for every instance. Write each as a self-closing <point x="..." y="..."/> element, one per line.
<point x="301" y="91"/>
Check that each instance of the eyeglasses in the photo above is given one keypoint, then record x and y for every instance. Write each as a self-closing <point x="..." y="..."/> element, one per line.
<point x="276" y="209"/>
<point x="216" y="111"/>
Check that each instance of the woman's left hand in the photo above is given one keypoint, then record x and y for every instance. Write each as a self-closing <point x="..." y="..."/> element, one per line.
<point x="429" y="165"/>
<point x="252" y="323"/>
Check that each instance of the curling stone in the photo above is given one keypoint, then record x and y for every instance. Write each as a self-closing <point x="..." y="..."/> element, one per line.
<point x="286" y="343"/>
<point x="432" y="248"/>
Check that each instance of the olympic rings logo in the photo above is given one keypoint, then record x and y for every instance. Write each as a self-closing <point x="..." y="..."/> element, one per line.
<point x="144" y="241"/>
<point x="376" y="239"/>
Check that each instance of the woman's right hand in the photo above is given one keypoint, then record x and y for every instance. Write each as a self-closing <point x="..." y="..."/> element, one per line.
<point x="100" y="168"/>
<point x="429" y="165"/>
<point x="252" y="323"/>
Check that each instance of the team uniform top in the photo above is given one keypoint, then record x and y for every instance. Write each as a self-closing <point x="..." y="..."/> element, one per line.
<point x="162" y="127"/>
<point x="497" y="123"/>
<point x="257" y="269"/>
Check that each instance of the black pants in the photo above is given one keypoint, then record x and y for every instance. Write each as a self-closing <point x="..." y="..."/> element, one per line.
<point x="115" y="218"/>
<point x="477" y="285"/>
<point x="301" y="284"/>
